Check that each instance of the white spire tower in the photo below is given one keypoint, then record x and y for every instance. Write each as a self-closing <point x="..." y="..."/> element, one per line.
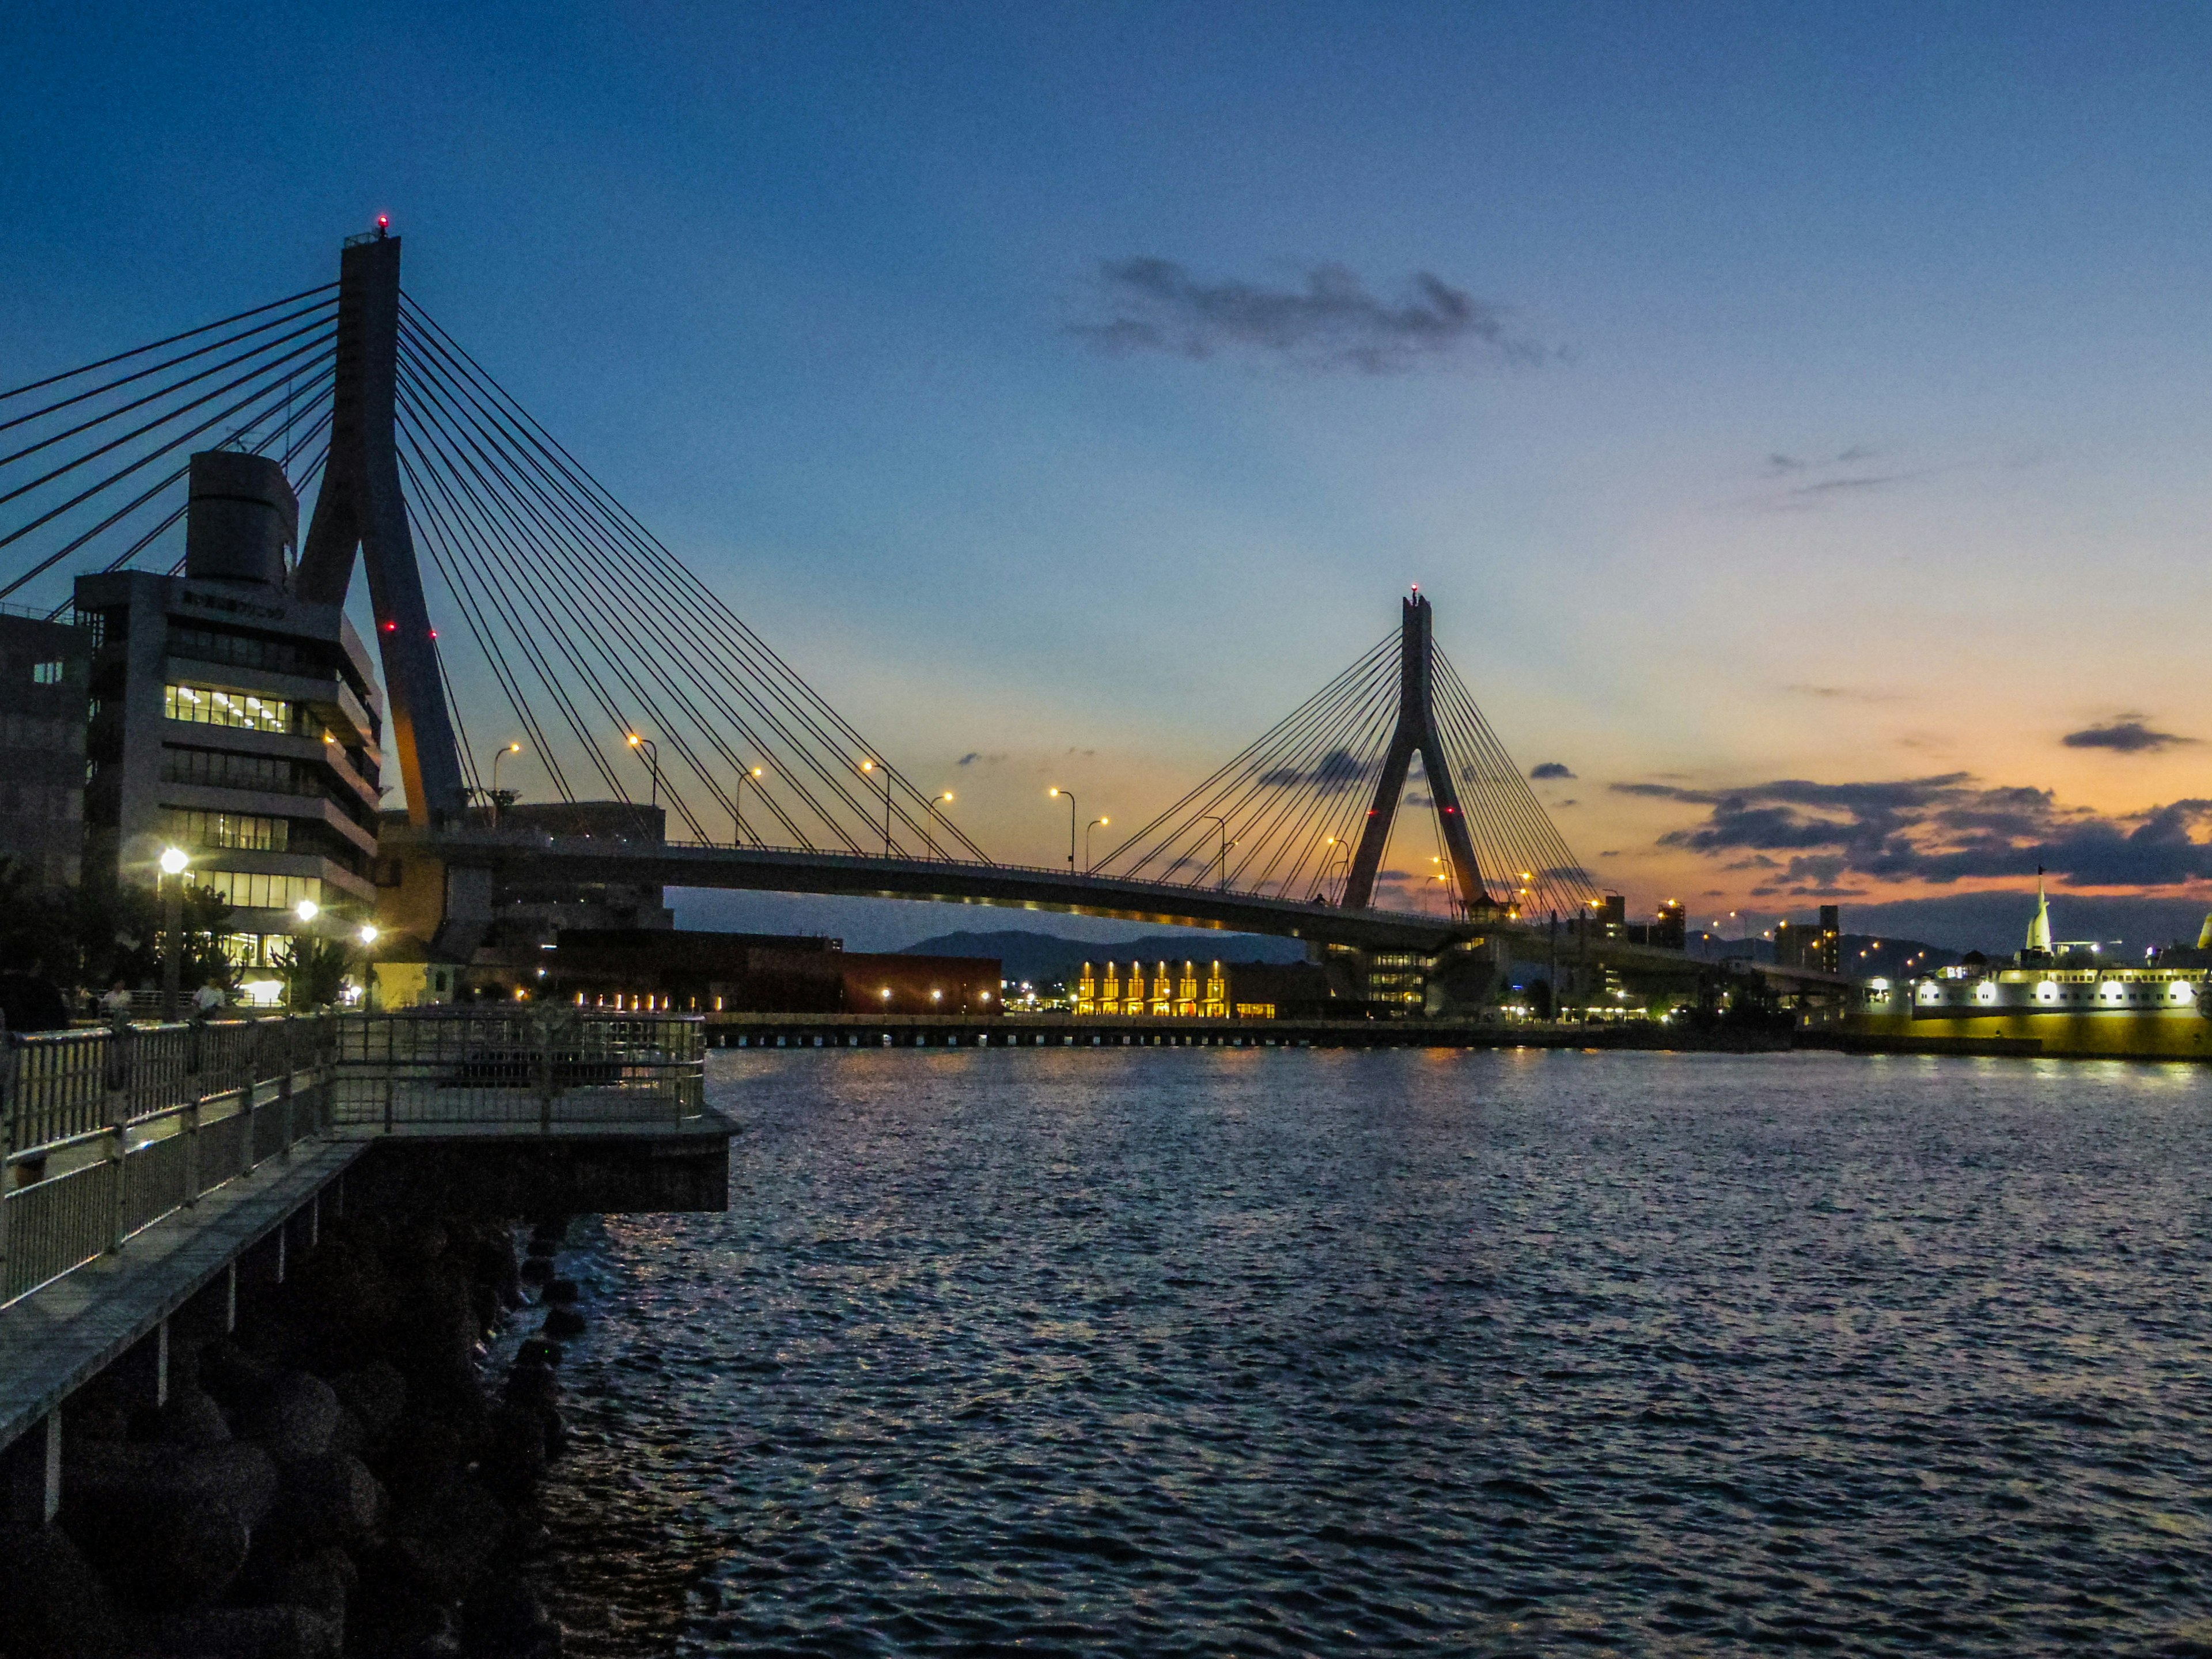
<point x="2039" y="931"/>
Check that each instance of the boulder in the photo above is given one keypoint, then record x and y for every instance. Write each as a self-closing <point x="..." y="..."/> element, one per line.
<point x="532" y="1386"/>
<point x="233" y="1375"/>
<point x="376" y="1392"/>
<point x="537" y="1350"/>
<point x="327" y="1499"/>
<point x="169" y="1527"/>
<point x="537" y="1271"/>
<point x="562" y="1293"/>
<point x="193" y="1419"/>
<point x="514" y="1460"/>
<point x="505" y="1619"/>
<point x="51" y="1601"/>
<point x="296" y="1417"/>
<point x="449" y="1535"/>
<point x="271" y="1632"/>
<point x="320" y="1582"/>
<point x="565" y="1323"/>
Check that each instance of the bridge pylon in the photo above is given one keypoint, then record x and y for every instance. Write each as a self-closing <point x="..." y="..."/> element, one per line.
<point x="1416" y="733"/>
<point x="361" y="505"/>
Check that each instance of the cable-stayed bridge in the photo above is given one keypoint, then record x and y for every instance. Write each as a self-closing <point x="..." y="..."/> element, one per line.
<point x="512" y="592"/>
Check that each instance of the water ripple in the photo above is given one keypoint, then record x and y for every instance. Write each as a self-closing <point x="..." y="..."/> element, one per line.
<point x="1303" y="1352"/>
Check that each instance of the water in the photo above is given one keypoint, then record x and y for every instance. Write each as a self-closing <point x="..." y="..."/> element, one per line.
<point x="1334" y="1353"/>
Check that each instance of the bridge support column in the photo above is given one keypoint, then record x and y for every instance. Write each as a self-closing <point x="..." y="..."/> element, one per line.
<point x="1416" y="732"/>
<point x="361" y="505"/>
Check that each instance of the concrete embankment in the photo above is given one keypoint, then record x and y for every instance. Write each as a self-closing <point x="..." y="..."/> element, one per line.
<point x="339" y="1474"/>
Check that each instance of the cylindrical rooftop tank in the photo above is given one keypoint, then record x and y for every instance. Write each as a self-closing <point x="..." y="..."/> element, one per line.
<point x="242" y="517"/>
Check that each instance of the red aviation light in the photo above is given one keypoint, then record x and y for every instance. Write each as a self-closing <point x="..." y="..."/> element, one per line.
<point x="384" y="221"/>
<point x="392" y="628"/>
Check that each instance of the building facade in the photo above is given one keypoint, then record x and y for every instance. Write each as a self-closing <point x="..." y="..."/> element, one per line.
<point x="45" y="671"/>
<point x="232" y="720"/>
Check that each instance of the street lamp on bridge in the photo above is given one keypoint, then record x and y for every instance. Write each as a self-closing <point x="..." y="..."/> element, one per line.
<point x="935" y="801"/>
<point x="1058" y="793"/>
<point x="652" y="753"/>
<point x="869" y="767"/>
<point x="1210" y="818"/>
<point x="737" y="803"/>
<point x="505" y="749"/>
<point x="1095" y="824"/>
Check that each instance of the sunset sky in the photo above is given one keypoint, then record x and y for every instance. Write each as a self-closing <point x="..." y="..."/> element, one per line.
<point x="1797" y="414"/>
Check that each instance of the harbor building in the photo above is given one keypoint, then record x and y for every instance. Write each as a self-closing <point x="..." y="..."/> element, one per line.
<point x="1212" y="990"/>
<point x="231" y="719"/>
<point x="45" y="669"/>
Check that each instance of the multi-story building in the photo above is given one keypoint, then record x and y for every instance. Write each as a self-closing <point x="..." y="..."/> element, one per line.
<point x="44" y="669"/>
<point x="233" y="719"/>
<point x="1819" y="946"/>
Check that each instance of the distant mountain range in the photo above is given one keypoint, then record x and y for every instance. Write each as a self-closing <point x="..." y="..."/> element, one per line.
<point x="1045" y="958"/>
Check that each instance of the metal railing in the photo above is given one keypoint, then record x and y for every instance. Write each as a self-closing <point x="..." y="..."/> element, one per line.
<point x="547" y="1066"/>
<point x="108" y="1131"/>
<point x="142" y="1122"/>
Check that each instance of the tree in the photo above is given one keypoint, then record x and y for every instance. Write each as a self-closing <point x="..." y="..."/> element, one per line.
<point x="314" y="971"/>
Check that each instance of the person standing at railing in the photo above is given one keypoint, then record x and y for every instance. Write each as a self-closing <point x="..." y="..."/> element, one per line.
<point x="115" y="1006"/>
<point x="208" y="1001"/>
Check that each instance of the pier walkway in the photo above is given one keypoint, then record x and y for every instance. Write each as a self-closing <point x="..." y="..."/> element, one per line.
<point x="146" y="1168"/>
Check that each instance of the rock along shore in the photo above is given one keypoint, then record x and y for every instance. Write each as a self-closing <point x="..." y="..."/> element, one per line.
<point x="341" y="1476"/>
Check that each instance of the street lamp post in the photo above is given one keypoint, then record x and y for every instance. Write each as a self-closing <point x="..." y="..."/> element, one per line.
<point x="505" y="749"/>
<point x="1063" y="795"/>
<point x="935" y="801"/>
<point x="869" y="766"/>
<point x="652" y="753"/>
<point x="173" y="861"/>
<point x="1329" y="863"/>
<point x="1095" y="824"/>
<point x="1211" y="818"/>
<point x="369" y="936"/>
<point x="738" y="802"/>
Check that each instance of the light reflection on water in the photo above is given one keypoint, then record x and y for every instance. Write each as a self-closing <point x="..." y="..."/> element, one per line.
<point x="1352" y="1352"/>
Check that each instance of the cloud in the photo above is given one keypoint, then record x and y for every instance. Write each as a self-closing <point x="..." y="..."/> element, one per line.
<point x="1942" y="829"/>
<point x="1840" y="693"/>
<point x="1550" y="769"/>
<point x="2127" y="735"/>
<point x="1331" y="774"/>
<point x="1813" y="480"/>
<point x="975" y="757"/>
<point x="1329" y="323"/>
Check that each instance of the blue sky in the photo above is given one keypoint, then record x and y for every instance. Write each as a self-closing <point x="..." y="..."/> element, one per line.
<point x="1840" y="421"/>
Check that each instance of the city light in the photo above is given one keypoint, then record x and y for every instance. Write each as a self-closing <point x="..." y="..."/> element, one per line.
<point x="307" y="909"/>
<point x="369" y="936"/>
<point x="173" y="861"/>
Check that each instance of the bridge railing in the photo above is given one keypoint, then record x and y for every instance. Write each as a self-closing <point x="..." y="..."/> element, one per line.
<point x="108" y="1132"/>
<point x="544" y="1065"/>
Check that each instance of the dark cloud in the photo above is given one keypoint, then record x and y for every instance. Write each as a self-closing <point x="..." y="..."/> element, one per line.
<point x="1330" y="322"/>
<point x="1550" y="769"/>
<point x="1942" y="828"/>
<point x="1863" y="481"/>
<point x="977" y="758"/>
<point x="2126" y="735"/>
<point x="1335" y="773"/>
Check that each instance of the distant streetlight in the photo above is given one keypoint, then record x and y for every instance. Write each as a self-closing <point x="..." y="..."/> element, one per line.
<point x="738" y="802"/>
<point x="173" y="864"/>
<point x="869" y="767"/>
<point x="1058" y="793"/>
<point x="306" y="910"/>
<point x="652" y="753"/>
<point x="1211" y="818"/>
<point x="925" y="818"/>
<point x="1329" y="862"/>
<point x="505" y="749"/>
<point x="1095" y="824"/>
